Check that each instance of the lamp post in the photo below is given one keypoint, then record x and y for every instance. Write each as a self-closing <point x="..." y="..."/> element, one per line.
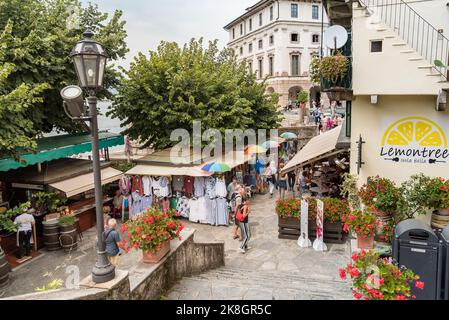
<point x="89" y="58"/>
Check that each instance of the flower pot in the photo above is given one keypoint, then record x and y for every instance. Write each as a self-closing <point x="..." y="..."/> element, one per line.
<point x="439" y="221"/>
<point x="443" y="212"/>
<point x="151" y="258"/>
<point x="364" y="242"/>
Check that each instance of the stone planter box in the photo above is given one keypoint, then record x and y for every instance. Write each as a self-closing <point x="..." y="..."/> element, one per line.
<point x="290" y="228"/>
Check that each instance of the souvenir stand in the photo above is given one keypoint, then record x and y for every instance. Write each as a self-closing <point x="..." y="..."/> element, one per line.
<point x="168" y="181"/>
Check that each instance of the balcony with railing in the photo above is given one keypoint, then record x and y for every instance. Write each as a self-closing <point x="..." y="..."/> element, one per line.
<point x="340" y="88"/>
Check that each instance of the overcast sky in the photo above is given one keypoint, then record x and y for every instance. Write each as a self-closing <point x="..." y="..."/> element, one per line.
<point x="150" y="21"/>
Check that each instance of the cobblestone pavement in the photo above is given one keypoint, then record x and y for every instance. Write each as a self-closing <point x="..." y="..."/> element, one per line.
<point x="272" y="269"/>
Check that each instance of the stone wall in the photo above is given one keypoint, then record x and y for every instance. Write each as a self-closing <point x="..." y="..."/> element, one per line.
<point x="146" y="281"/>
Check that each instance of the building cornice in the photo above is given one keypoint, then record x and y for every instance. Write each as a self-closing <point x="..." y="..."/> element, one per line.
<point x="273" y="24"/>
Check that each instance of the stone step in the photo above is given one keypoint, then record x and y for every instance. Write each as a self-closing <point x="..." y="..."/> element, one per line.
<point x="241" y="277"/>
<point x="415" y="59"/>
<point x="425" y="67"/>
<point x="408" y="51"/>
<point x="390" y="36"/>
<point x="398" y="44"/>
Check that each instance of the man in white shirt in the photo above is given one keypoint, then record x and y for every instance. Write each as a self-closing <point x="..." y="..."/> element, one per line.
<point x="25" y="224"/>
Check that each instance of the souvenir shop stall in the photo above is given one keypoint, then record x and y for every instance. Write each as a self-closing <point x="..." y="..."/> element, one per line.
<point x="65" y="185"/>
<point x="321" y="164"/>
<point x="198" y="195"/>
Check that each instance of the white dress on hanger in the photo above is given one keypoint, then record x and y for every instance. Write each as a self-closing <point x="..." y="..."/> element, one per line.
<point x="220" y="188"/>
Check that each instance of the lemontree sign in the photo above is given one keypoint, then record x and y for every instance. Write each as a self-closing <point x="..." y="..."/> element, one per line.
<point x="303" y="240"/>
<point x="415" y="140"/>
<point x="319" y="244"/>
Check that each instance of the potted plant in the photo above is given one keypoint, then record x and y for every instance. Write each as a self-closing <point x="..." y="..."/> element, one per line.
<point x="48" y="202"/>
<point x="289" y="214"/>
<point x="364" y="224"/>
<point x="374" y="278"/>
<point x="334" y="68"/>
<point x="68" y="233"/>
<point x="439" y="196"/>
<point x="334" y="212"/>
<point x="382" y="195"/>
<point x="151" y="232"/>
<point x="350" y="190"/>
<point x="314" y="71"/>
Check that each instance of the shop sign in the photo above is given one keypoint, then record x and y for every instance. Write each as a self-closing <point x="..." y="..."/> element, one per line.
<point x="415" y="140"/>
<point x="319" y="244"/>
<point x="304" y="241"/>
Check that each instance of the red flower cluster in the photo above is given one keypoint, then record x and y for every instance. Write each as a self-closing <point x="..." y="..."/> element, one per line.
<point x="150" y="230"/>
<point x="374" y="278"/>
<point x="363" y="223"/>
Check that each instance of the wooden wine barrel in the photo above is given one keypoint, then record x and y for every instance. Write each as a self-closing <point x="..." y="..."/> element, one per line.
<point x="439" y="221"/>
<point x="68" y="237"/>
<point x="4" y="269"/>
<point x="51" y="235"/>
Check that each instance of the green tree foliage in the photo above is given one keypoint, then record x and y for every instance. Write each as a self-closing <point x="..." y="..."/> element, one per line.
<point x="175" y="86"/>
<point x="16" y="130"/>
<point x="303" y="97"/>
<point x="38" y="38"/>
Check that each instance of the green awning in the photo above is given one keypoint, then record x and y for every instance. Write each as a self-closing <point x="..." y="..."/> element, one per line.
<point x="57" y="147"/>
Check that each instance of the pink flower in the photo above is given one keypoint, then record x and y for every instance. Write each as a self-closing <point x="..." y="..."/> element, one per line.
<point x="356" y="295"/>
<point x="342" y="274"/>
<point x="419" y="285"/>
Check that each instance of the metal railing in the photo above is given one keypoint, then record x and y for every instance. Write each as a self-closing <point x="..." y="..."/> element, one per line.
<point x="416" y="31"/>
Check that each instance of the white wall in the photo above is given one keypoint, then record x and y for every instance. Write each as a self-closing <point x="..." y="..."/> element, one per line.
<point x="436" y="12"/>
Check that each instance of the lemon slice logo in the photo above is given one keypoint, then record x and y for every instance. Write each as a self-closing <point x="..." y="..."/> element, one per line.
<point x="415" y="131"/>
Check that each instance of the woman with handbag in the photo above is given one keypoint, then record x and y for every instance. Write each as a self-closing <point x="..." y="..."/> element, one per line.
<point x="242" y="217"/>
<point x="238" y="202"/>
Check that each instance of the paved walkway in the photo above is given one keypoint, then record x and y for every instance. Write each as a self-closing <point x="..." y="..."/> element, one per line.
<point x="272" y="269"/>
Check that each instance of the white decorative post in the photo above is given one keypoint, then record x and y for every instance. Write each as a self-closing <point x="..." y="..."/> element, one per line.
<point x="319" y="244"/>
<point x="304" y="241"/>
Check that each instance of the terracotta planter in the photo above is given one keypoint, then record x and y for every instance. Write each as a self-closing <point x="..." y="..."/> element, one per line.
<point x="364" y="242"/>
<point x="151" y="258"/>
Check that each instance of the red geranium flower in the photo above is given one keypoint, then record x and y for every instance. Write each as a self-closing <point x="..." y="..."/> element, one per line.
<point x="419" y="285"/>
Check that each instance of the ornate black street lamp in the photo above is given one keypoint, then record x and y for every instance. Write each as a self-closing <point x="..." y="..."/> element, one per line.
<point x="89" y="58"/>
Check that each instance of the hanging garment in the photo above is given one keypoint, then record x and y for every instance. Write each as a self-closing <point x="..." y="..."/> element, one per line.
<point x="165" y="205"/>
<point x="137" y="203"/>
<point x="164" y="187"/>
<point x="220" y="188"/>
<point x="183" y="207"/>
<point x="222" y="212"/>
<point x="156" y="186"/>
<point x="193" y="209"/>
<point x="210" y="187"/>
<point x="137" y="184"/>
<point x="147" y="202"/>
<point x="173" y="203"/>
<point x="178" y="183"/>
<point x="199" y="186"/>
<point x="125" y="185"/>
<point x="211" y="211"/>
<point x="188" y="185"/>
<point x="146" y="182"/>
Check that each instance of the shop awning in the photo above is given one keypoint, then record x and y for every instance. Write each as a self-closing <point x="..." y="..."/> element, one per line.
<point x="85" y="182"/>
<point x="166" y="171"/>
<point x="318" y="148"/>
<point x="57" y="147"/>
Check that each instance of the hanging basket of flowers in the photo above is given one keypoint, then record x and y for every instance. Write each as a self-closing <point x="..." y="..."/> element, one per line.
<point x="374" y="278"/>
<point x="151" y="232"/>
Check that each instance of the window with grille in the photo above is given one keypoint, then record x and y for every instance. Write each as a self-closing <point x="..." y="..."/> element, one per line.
<point x="271" y="14"/>
<point x="250" y="47"/>
<point x="271" y="65"/>
<point x="250" y="24"/>
<point x="260" y="44"/>
<point x="271" y="39"/>
<point x="260" y="68"/>
<point x="315" y="38"/>
<point x="376" y="46"/>
<point x="260" y="19"/>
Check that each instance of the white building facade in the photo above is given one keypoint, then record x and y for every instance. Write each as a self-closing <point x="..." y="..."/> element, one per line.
<point x="278" y="38"/>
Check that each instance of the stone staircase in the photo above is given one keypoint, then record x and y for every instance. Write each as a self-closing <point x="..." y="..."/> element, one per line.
<point x="230" y="283"/>
<point x="399" y="26"/>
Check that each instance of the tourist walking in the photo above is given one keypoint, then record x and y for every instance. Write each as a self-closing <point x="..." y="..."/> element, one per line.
<point x="282" y="183"/>
<point x="25" y="223"/>
<point x="112" y="240"/>
<point x="244" y="226"/>
<point x="291" y="180"/>
<point x="238" y="202"/>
